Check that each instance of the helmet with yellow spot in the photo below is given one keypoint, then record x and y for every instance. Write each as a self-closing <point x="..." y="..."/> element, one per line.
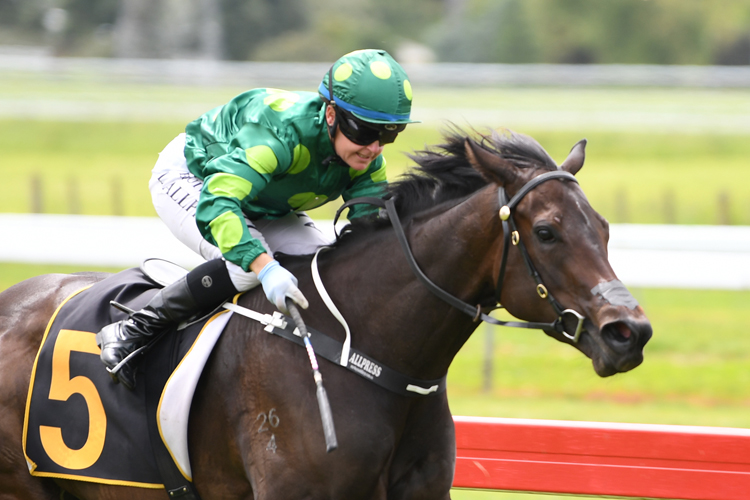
<point x="368" y="86"/>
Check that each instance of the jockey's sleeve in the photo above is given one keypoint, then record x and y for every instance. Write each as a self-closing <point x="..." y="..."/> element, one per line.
<point x="254" y="156"/>
<point x="369" y="182"/>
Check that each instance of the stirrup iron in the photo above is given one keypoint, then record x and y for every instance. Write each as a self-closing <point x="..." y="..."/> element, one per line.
<point x="130" y="357"/>
<point x="122" y="307"/>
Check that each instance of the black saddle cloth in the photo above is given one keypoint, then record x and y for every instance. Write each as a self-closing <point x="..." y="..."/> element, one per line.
<point x="79" y="423"/>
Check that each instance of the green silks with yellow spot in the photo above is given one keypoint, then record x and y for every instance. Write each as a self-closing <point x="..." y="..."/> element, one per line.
<point x="264" y="154"/>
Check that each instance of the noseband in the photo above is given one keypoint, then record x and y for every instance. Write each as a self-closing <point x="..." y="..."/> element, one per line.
<point x="510" y="235"/>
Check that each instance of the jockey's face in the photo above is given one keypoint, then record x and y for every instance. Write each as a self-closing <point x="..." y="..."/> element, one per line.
<point x="356" y="156"/>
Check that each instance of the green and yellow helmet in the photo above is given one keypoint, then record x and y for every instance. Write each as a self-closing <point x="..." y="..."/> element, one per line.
<point x="370" y="86"/>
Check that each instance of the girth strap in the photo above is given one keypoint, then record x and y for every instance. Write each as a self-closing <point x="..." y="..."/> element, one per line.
<point x="358" y="362"/>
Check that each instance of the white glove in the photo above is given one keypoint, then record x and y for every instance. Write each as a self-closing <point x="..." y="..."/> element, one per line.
<point x="278" y="283"/>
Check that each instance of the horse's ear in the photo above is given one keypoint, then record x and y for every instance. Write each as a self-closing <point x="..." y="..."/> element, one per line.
<point x="575" y="159"/>
<point x="492" y="167"/>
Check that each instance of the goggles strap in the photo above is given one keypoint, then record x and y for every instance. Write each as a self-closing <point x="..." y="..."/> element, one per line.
<point x="331" y="102"/>
<point x="330" y="84"/>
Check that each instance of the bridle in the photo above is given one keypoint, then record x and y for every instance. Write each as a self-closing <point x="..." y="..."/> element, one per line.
<point x="510" y="235"/>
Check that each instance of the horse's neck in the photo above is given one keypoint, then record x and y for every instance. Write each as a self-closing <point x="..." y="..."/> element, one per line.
<point x="393" y="316"/>
<point x="453" y="247"/>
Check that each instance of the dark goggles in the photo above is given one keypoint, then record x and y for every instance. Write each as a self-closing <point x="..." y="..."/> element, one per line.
<point x="364" y="133"/>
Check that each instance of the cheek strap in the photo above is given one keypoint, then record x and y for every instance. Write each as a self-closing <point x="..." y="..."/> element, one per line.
<point x="615" y="293"/>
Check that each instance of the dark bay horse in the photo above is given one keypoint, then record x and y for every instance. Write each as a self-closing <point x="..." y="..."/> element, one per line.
<point x="390" y="446"/>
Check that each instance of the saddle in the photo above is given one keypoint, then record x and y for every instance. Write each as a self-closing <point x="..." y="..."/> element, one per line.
<point x="80" y="425"/>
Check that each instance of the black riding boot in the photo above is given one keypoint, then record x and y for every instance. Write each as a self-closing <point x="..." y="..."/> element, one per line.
<point x="198" y="292"/>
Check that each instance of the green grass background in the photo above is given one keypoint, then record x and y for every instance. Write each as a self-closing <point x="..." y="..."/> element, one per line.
<point x="697" y="366"/>
<point x="641" y="171"/>
<point x="639" y="167"/>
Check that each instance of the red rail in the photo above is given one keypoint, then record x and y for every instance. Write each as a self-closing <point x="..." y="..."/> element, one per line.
<point x="591" y="458"/>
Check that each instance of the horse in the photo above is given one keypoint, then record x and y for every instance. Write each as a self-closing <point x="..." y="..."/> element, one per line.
<point x="390" y="446"/>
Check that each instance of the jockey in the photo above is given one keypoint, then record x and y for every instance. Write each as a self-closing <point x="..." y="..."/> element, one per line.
<point x="235" y="186"/>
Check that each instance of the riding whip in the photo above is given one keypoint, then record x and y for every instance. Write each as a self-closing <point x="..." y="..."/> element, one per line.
<point x="325" y="407"/>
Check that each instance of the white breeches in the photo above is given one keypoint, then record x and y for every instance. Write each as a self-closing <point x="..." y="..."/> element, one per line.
<point x="175" y="193"/>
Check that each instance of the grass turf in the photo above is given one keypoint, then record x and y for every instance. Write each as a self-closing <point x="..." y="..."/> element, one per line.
<point x="634" y="173"/>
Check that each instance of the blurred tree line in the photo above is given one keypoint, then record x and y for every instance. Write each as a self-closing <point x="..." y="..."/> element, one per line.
<point x="505" y="31"/>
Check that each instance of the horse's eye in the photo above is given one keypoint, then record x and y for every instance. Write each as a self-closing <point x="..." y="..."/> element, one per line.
<point x="545" y="235"/>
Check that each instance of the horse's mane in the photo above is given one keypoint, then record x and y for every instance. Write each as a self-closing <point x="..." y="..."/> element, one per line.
<point x="444" y="174"/>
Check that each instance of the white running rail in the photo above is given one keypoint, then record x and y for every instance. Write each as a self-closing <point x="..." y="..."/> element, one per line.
<point x="642" y="255"/>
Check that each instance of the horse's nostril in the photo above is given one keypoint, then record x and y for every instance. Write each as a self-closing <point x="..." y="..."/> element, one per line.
<point x="623" y="330"/>
<point x="618" y="332"/>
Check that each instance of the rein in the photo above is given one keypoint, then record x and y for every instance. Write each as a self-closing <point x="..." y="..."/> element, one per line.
<point x="506" y="215"/>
